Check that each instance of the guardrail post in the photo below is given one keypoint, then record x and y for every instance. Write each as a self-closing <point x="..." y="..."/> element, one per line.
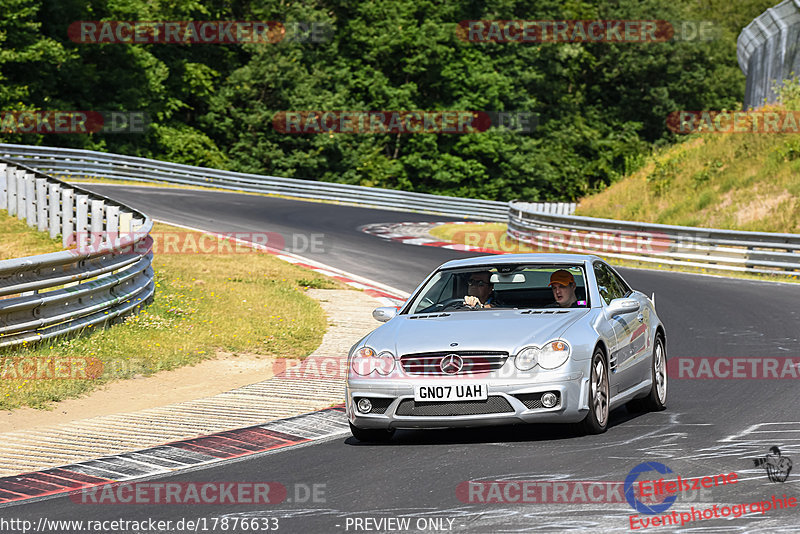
<point x="3" y="187"/>
<point x="41" y="204"/>
<point x="125" y="222"/>
<point x="11" y="191"/>
<point x="98" y="214"/>
<point x="30" y="199"/>
<point x="112" y="224"/>
<point x="54" y="205"/>
<point x="67" y="217"/>
<point x="82" y="219"/>
<point x="20" y="179"/>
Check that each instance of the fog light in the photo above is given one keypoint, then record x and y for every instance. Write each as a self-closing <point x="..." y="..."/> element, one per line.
<point x="549" y="400"/>
<point x="364" y="406"/>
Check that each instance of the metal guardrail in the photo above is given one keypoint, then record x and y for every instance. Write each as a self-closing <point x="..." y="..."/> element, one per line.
<point x="726" y="250"/>
<point x="767" y="51"/>
<point x="70" y="163"/>
<point x="545" y="225"/>
<point x="107" y="274"/>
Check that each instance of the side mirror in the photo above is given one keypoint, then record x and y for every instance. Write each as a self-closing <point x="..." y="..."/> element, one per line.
<point x="384" y="313"/>
<point x="622" y="306"/>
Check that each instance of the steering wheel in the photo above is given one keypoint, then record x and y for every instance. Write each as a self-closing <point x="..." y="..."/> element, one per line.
<point x="455" y="303"/>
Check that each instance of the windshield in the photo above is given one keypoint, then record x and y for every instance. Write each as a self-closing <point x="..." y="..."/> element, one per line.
<point x="503" y="286"/>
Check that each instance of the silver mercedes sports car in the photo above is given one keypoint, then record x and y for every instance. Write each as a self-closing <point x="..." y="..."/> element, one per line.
<point x="515" y="338"/>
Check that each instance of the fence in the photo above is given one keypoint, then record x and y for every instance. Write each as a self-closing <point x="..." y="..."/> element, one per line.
<point x="67" y="163"/>
<point x="71" y="163"/>
<point x="107" y="274"/>
<point x="767" y="51"/>
<point x="726" y="250"/>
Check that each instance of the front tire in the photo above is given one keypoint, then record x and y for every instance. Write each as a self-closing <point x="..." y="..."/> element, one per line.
<point x="371" y="435"/>
<point x="596" y="421"/>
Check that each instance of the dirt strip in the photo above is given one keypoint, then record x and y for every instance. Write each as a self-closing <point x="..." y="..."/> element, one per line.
<point x="317" y="383"/>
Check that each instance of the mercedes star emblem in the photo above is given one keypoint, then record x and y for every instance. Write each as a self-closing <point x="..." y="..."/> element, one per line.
<point x="451" y="364"/>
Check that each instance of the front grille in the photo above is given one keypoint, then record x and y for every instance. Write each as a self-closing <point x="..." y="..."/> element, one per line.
<point x="533" y="401"/>
<point x="429" y="363"/>
<point x="494" y="404"/>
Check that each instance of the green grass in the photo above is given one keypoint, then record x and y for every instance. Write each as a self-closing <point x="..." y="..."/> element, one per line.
<point x="732" y="181"/>
<point x="239" y="303"/>
<point x="17" y="239"/>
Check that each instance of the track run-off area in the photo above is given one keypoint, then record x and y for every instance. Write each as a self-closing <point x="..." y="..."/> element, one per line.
<point x="418" y="482"/>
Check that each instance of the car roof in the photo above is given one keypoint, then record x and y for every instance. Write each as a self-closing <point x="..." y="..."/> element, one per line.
<point x="500" y="259"/>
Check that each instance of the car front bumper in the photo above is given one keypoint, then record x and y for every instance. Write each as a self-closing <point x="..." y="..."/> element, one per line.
<point x="506" y="403"/>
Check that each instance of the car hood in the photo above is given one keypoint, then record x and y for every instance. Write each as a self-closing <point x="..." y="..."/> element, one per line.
<point x="506" y="330"/>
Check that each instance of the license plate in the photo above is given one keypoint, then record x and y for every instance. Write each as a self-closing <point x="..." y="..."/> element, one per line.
<point x="450" y="392"/>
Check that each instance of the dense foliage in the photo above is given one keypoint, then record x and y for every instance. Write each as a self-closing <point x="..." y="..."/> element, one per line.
<point x="600" y="105"/>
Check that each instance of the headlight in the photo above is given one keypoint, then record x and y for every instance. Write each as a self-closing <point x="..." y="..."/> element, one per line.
<point x="384" y="363"/>
<point x="527" y="358"/>
<point x="366" y="361"/>
<point x="554" y="354"/>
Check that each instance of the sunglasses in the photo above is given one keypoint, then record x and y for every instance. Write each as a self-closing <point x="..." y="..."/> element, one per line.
<point x="479" y="283"/>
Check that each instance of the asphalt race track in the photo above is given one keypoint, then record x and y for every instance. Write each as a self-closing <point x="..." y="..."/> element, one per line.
<point x="710" y="427"/>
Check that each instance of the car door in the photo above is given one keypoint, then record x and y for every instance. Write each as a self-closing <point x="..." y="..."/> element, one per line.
<point x="638" y="330"/>
<point x="622" y="359"/>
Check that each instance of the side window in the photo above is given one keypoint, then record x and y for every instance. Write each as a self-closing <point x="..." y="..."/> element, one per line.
<point x="624" y="288"/>
<point x="607" y="283"/>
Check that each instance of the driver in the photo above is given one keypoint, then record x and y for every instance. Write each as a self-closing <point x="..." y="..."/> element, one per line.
<point x="563" y="284"/>
<point x="479" y="290"/>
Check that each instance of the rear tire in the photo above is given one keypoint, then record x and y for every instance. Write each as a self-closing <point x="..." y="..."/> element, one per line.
<point x="371" y="435"/>
<point x="656" y="400"/>
<point x="596" y="421"/>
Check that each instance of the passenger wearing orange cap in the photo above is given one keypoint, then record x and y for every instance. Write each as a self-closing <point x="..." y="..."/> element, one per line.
<point x="563" y="284"/>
